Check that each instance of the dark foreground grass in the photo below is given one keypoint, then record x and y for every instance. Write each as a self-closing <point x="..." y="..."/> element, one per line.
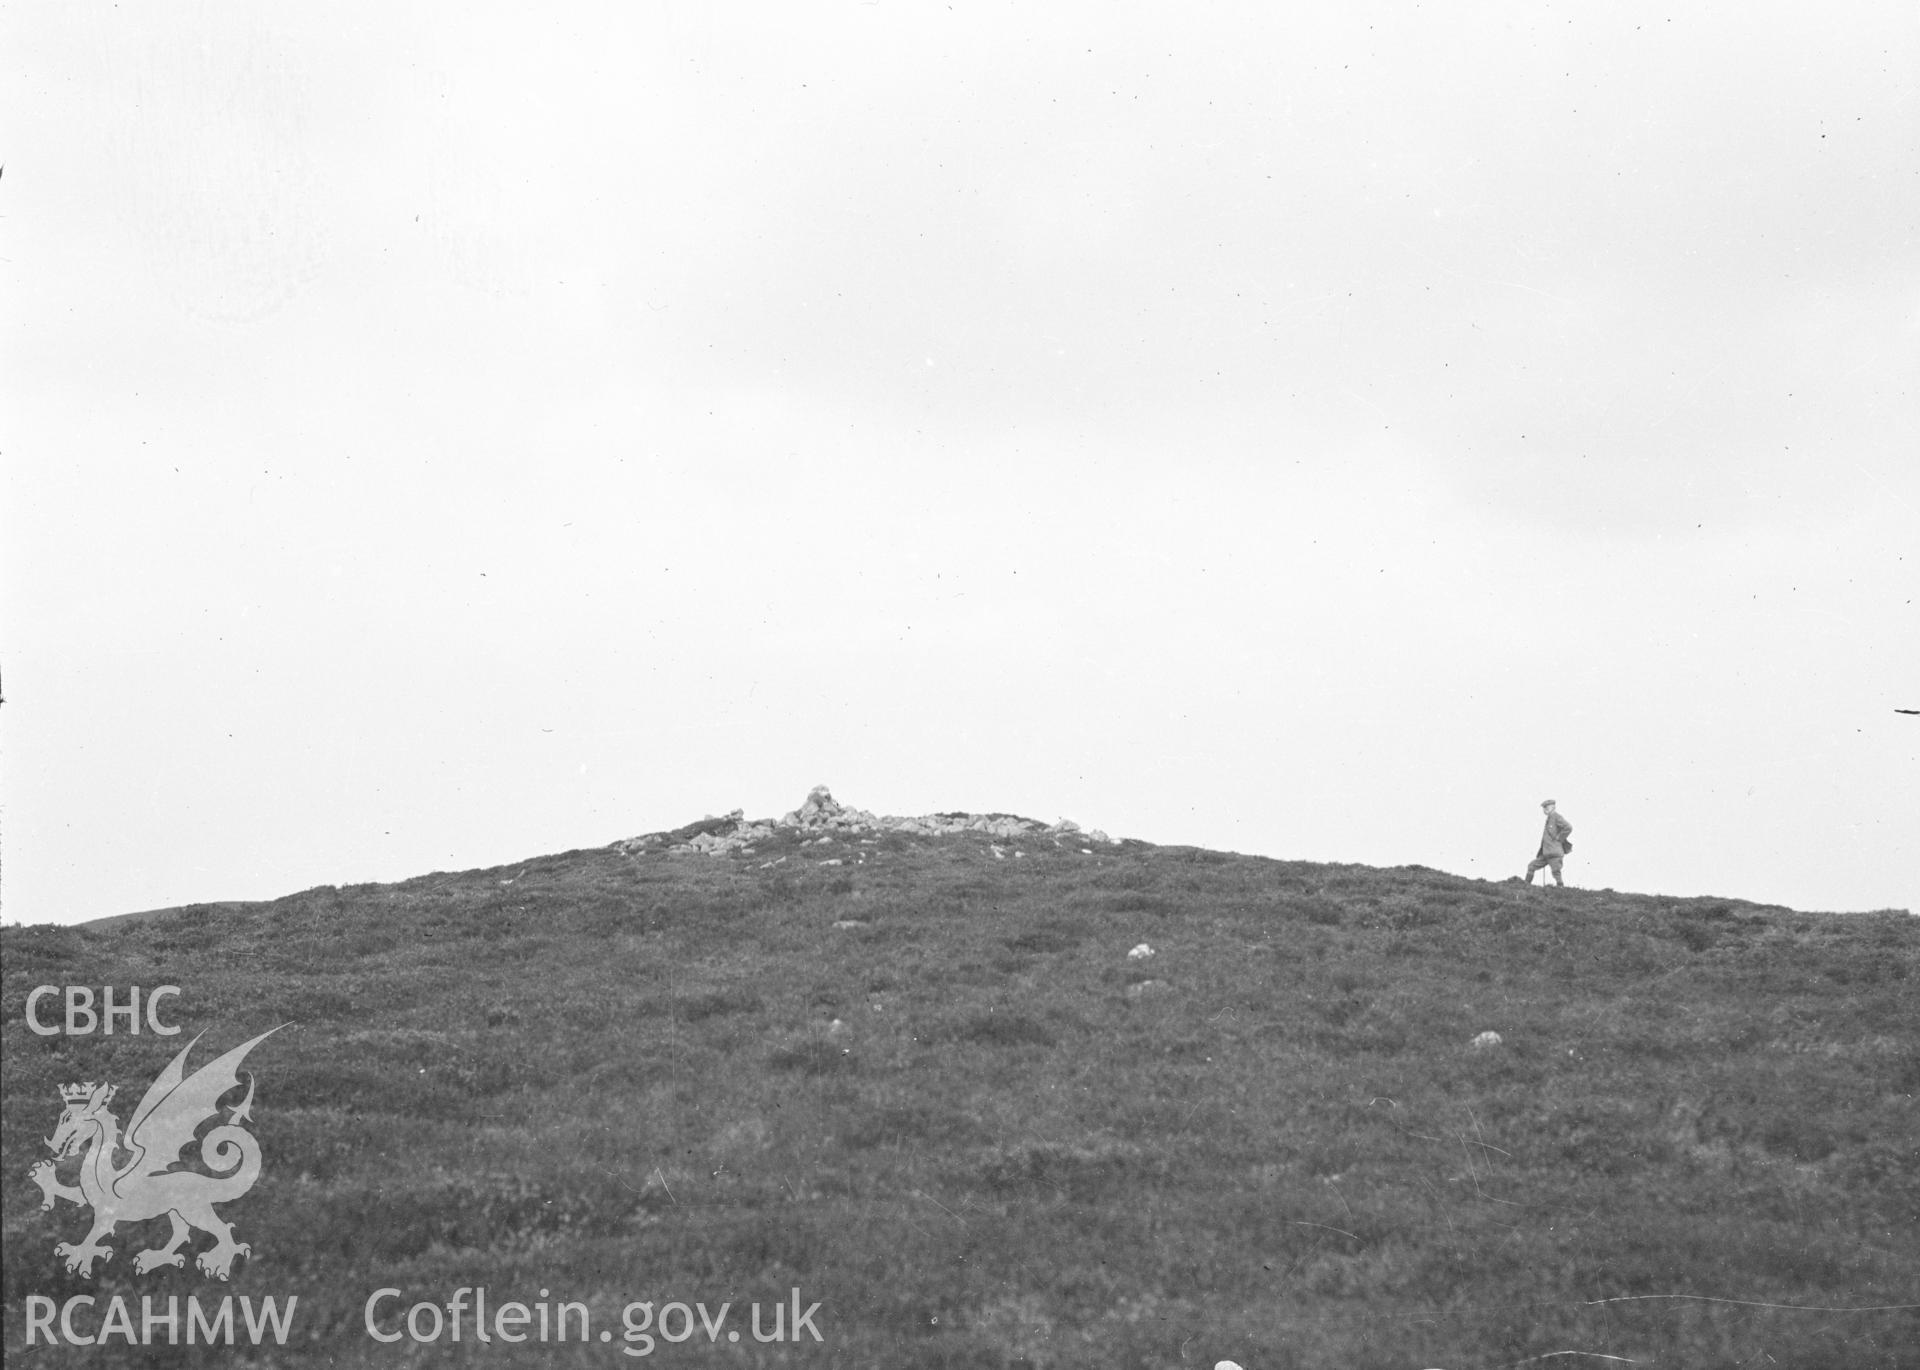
<point x="927" y="1087"/>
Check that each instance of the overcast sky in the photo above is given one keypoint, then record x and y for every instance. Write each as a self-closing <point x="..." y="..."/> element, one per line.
<point x="440" y="435"/>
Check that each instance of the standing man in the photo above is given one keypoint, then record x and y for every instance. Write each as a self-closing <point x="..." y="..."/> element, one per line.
<point x="1553" y="844"/>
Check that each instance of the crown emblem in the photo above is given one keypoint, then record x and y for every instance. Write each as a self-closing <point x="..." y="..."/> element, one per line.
<point x="77" y="1094"/>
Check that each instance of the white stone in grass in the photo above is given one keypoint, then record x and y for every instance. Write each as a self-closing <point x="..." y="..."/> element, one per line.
<point x="1226" y="1365"/>
<point x="1485" y="1040"/>
<point x="1140" y="953"/>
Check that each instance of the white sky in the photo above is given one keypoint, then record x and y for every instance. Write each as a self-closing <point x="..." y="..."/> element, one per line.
<point x="436" y="435"/>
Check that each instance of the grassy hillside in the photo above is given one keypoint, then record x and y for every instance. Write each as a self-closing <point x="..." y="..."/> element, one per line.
<point x="925" y="1084"/>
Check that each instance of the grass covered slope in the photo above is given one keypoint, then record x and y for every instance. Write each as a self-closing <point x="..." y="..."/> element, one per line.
<point x="925" y="1084"/>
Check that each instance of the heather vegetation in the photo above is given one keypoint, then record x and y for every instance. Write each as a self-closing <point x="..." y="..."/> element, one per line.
<point x="924" y="1083"/>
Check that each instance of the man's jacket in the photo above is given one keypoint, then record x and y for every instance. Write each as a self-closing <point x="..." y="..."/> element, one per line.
<point x="1552" y="841"/>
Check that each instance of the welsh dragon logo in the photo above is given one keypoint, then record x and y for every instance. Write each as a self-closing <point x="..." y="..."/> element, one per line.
<point x="144" y="1185"/>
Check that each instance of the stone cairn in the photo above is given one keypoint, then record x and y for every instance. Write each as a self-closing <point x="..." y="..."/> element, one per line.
<point x="822" y="819"/>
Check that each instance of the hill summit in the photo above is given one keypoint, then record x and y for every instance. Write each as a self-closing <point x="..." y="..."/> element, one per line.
<point x="979" y="1092"/>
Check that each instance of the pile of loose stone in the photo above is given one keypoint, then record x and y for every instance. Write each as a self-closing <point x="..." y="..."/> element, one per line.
<point x="822" y="818"/>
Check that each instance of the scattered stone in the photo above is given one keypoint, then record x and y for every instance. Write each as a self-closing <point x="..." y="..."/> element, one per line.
<point x="1140" y="953"/>
<point x="835" y="861"/>
<point x="822" y="817"/>
<point x="1140" y="987"/>
<point x="1485" y="1040"/>
<point x="850" y="923"/>
<point x="998" y="855"/>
